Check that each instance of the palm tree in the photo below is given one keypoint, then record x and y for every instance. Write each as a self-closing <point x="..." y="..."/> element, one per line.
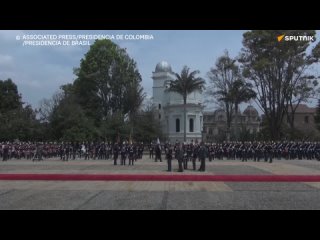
<point x="240" y="92"/>
<point x="186" y="83"/>
<point x="134" y="101"/>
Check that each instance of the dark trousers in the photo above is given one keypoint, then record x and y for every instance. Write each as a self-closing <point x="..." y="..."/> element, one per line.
<point x="194" y="163"/>
<point x="268" y="156"/>
<point x="5" y="157"/>
<point x="115" y="158"/>
<point x="185" y="163"/>
<point x="202" y="165"/>
<point x="131" y="160"/>
<point x="158" y="156"/>
<point x="123" y="160"/>
<point x="169" y="164"/>
<point x="180" y="165"/>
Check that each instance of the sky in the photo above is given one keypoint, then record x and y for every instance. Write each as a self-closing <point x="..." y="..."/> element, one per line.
<point x="39" y="71"/>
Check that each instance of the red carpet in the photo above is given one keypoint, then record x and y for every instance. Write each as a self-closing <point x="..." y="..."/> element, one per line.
<point x="145" y="177"/>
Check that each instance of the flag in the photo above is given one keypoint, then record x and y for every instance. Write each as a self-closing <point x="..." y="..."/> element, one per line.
<point x="130" y="139"/>
<point x="158" y="143"/>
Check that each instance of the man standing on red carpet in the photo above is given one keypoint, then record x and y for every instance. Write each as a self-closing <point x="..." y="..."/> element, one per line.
<point x="202" y="156"/>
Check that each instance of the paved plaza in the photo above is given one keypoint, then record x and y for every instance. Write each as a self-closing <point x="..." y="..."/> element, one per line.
<point x="159" y="195"/>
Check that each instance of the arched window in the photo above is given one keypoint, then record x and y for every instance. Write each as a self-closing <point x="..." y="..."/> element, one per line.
<point x="191" y="125"/>
<point x="177" y="125"/>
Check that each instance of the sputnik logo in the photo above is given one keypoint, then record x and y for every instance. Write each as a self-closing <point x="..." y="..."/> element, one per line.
<point x="280" y="38"/>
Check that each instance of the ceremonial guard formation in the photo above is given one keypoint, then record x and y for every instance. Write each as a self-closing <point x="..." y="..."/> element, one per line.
<point x="186" y="154"/>
<point x="66" y="151"/>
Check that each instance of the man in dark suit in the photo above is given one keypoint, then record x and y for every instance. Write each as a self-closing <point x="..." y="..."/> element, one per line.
<point x="202" y="156"/>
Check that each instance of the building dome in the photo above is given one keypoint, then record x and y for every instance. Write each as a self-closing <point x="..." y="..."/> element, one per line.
<point x="251" y="111"/>
<point x="163" y="66"/>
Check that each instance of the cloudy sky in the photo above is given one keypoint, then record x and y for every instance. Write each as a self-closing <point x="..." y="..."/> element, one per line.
<point x="40" y="70"/>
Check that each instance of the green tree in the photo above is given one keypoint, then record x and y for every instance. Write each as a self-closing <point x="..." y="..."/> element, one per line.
<point x="9" y="96"/>
<point x="186" y="83"/>
<point x="277" y="70"/>
<point x="16" y="121"/>
<point x="147" y="127"/>
<point x="68" y="121"/>
<point x="115" y="127"/>
<point x="108" y="81"/>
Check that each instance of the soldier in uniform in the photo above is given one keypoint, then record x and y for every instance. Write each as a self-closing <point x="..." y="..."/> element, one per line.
<point x="194" y="156"/>
<point x="179" y="156"/>
<point x="131" y="154"/>
<point x="67" y="151"/>
<point x="169" y="152"/>
<point x="211" y="155"/>
<point x="140" y="150"/>
<point x="38" y="153"/>
<point x="317" y="151"/>
<point x="151" y="150"/>
<point x="5" y="152"/>
<point x="123" y="154"/>
<point x="268" y="153"/>
<point x="115" y="153"/>
<point x="185" y="156"/>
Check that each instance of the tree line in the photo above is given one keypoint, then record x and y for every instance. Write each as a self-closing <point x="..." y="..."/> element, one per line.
<point x="106" y="99"/>
<point x="277" y="75"/>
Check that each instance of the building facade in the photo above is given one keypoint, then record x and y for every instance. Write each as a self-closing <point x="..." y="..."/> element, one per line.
<point x="170" y="110"/>
<point x="215" y="123"/>
<point x="304" y="120"/>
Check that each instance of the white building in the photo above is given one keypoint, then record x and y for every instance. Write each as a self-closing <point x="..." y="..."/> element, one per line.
<point x="170" y="109"/>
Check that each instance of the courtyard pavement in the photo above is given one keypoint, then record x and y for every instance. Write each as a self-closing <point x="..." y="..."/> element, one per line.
<point x="159" y="195"/>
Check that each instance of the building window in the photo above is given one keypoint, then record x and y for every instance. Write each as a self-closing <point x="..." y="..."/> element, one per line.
<point x="191" y="125"/>
<point x="306" y="119"/>
<point x="159" y="106"/>
<point x="159" y="116"/>
<point x="210" y="131"/>
<point x="177" y="125"/>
